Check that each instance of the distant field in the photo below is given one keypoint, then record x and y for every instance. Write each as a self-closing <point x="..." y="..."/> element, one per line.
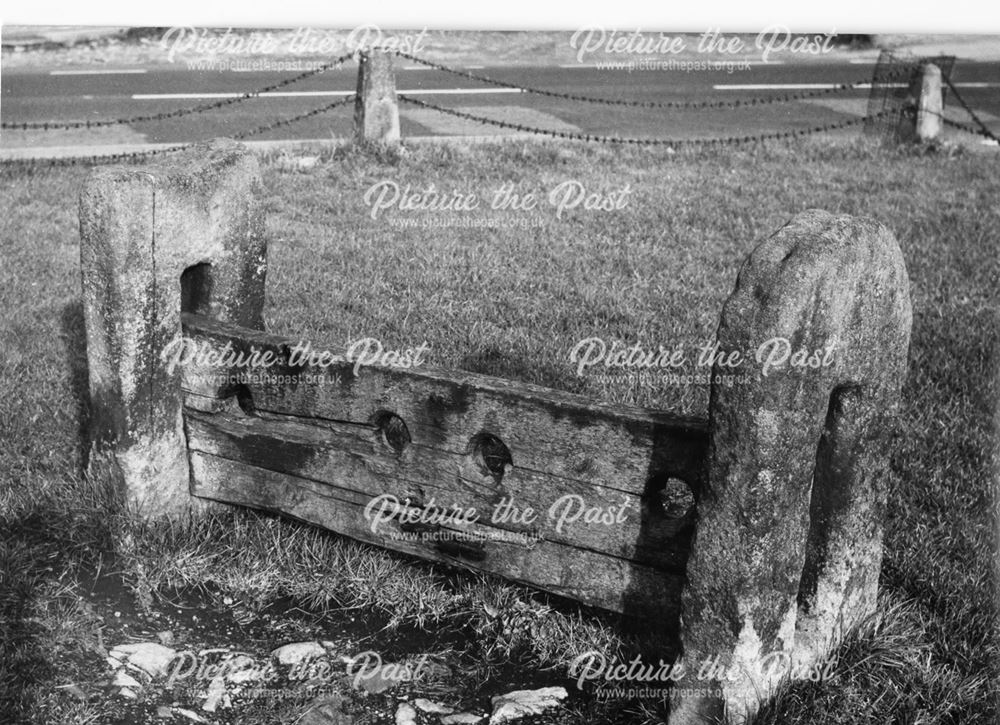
<point x="69" y="46"/>
<point x="26" y="46"/>
<point x="511" y="300"/>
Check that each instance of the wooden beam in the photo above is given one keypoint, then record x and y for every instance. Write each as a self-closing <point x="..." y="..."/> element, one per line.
<point x="589" y="504"/>
<point x="594" y="579"/>
<point x="615" y="446"/>
<point x="357" y="462"/>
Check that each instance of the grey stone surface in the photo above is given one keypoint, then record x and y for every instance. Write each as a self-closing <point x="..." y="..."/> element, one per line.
<point x="430" y="706"/>
<point x="141" y="228"/>
<point x="376" y="111"/>
<point x="788" y="547"/>
<point x="150" y="658"/>
<point x="521" y="703"/>
<point x="461" y="718"/>
<point x="296" y="652"/>
<point x="405" y="714"/>
<point x="188" y="714"/>
<point x="930" y="105"/>
<point x="924" y="106"/>
<point x="124" y="679"/>
<point x="216" y="696"/>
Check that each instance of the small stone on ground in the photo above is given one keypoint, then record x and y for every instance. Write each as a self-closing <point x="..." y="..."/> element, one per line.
<point x="150" y="657"/>
<point x="217" y="695"/>
<point x="461" y="718"/>
<point x="519" y="703"/>
<point x="406" y="715"/>
<point x="432" y="707"/>
<point x="293" y="654"/>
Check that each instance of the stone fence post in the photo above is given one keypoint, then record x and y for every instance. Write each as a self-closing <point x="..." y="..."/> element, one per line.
<point x="376" y="111"/>
<point x="788" y="544"/>
<point x="924" y="118"/>
<point x="930" y="103"/>
<point x="183" y="233"/>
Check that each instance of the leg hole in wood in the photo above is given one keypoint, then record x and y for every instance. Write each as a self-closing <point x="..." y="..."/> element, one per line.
<point x="393" y="430"/>
<point x="491" y="454"/>
<point x="241" y="395"/>
<point x="196" y="289"/>
<point x="668" y="499"/>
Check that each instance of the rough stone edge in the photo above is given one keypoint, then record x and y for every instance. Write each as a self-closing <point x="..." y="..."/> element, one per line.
<point x="376" y="109"/>
<point x="821" y="234"/>
<point x="137" y="420"/>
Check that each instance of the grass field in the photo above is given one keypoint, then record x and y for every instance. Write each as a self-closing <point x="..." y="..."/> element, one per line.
<point x="510" y="301"/>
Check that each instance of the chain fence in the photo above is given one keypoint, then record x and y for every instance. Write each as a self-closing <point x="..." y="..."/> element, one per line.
<point x="137" y="156"/>
<point x="983" y="130"/>
<point x="895" y="74"/>
<point x="885" y="76"/>
<point x="202" y="108"/>
<point x="668" y="142"/>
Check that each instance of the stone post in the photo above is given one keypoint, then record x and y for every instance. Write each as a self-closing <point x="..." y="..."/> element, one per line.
<point x="141" y="229"/>
<point x="921" y="120"/>
<point x="930" y="103"/>
<point x="788" y="545"/>
<point x="376" y="112"/>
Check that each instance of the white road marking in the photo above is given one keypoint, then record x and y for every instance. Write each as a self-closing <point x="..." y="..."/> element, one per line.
<point x="97" y="72"/>
<point x="475" y="67"/>
<point x="266" y="70"/>
<point x="826" y="86"/>
<point x="305" y="94"/>
<point x="794" y="86"/>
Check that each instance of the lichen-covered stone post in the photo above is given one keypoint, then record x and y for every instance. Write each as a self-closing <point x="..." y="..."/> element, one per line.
<point x="376" y="110"/>
<point x="141" y="229"/>
<point x="788" y="545"/>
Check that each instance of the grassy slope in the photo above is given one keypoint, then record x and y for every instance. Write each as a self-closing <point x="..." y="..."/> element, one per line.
<point x="511" y="302"/>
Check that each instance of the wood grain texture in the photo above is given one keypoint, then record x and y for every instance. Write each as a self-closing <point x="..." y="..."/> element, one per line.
<point x="355" y="460"/>
<point x="588" y="577"/>
<point x="589" y="514"/>
<point x="616" y="446"/>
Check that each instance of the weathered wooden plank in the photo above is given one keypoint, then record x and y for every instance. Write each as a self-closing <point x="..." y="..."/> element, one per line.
<point x="586" y="576"/>
<point x="618" y="447"/>
<point x="357" y="460"/>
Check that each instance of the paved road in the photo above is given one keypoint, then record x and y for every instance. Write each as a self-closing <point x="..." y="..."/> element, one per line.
<point x="58" y="95"/>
